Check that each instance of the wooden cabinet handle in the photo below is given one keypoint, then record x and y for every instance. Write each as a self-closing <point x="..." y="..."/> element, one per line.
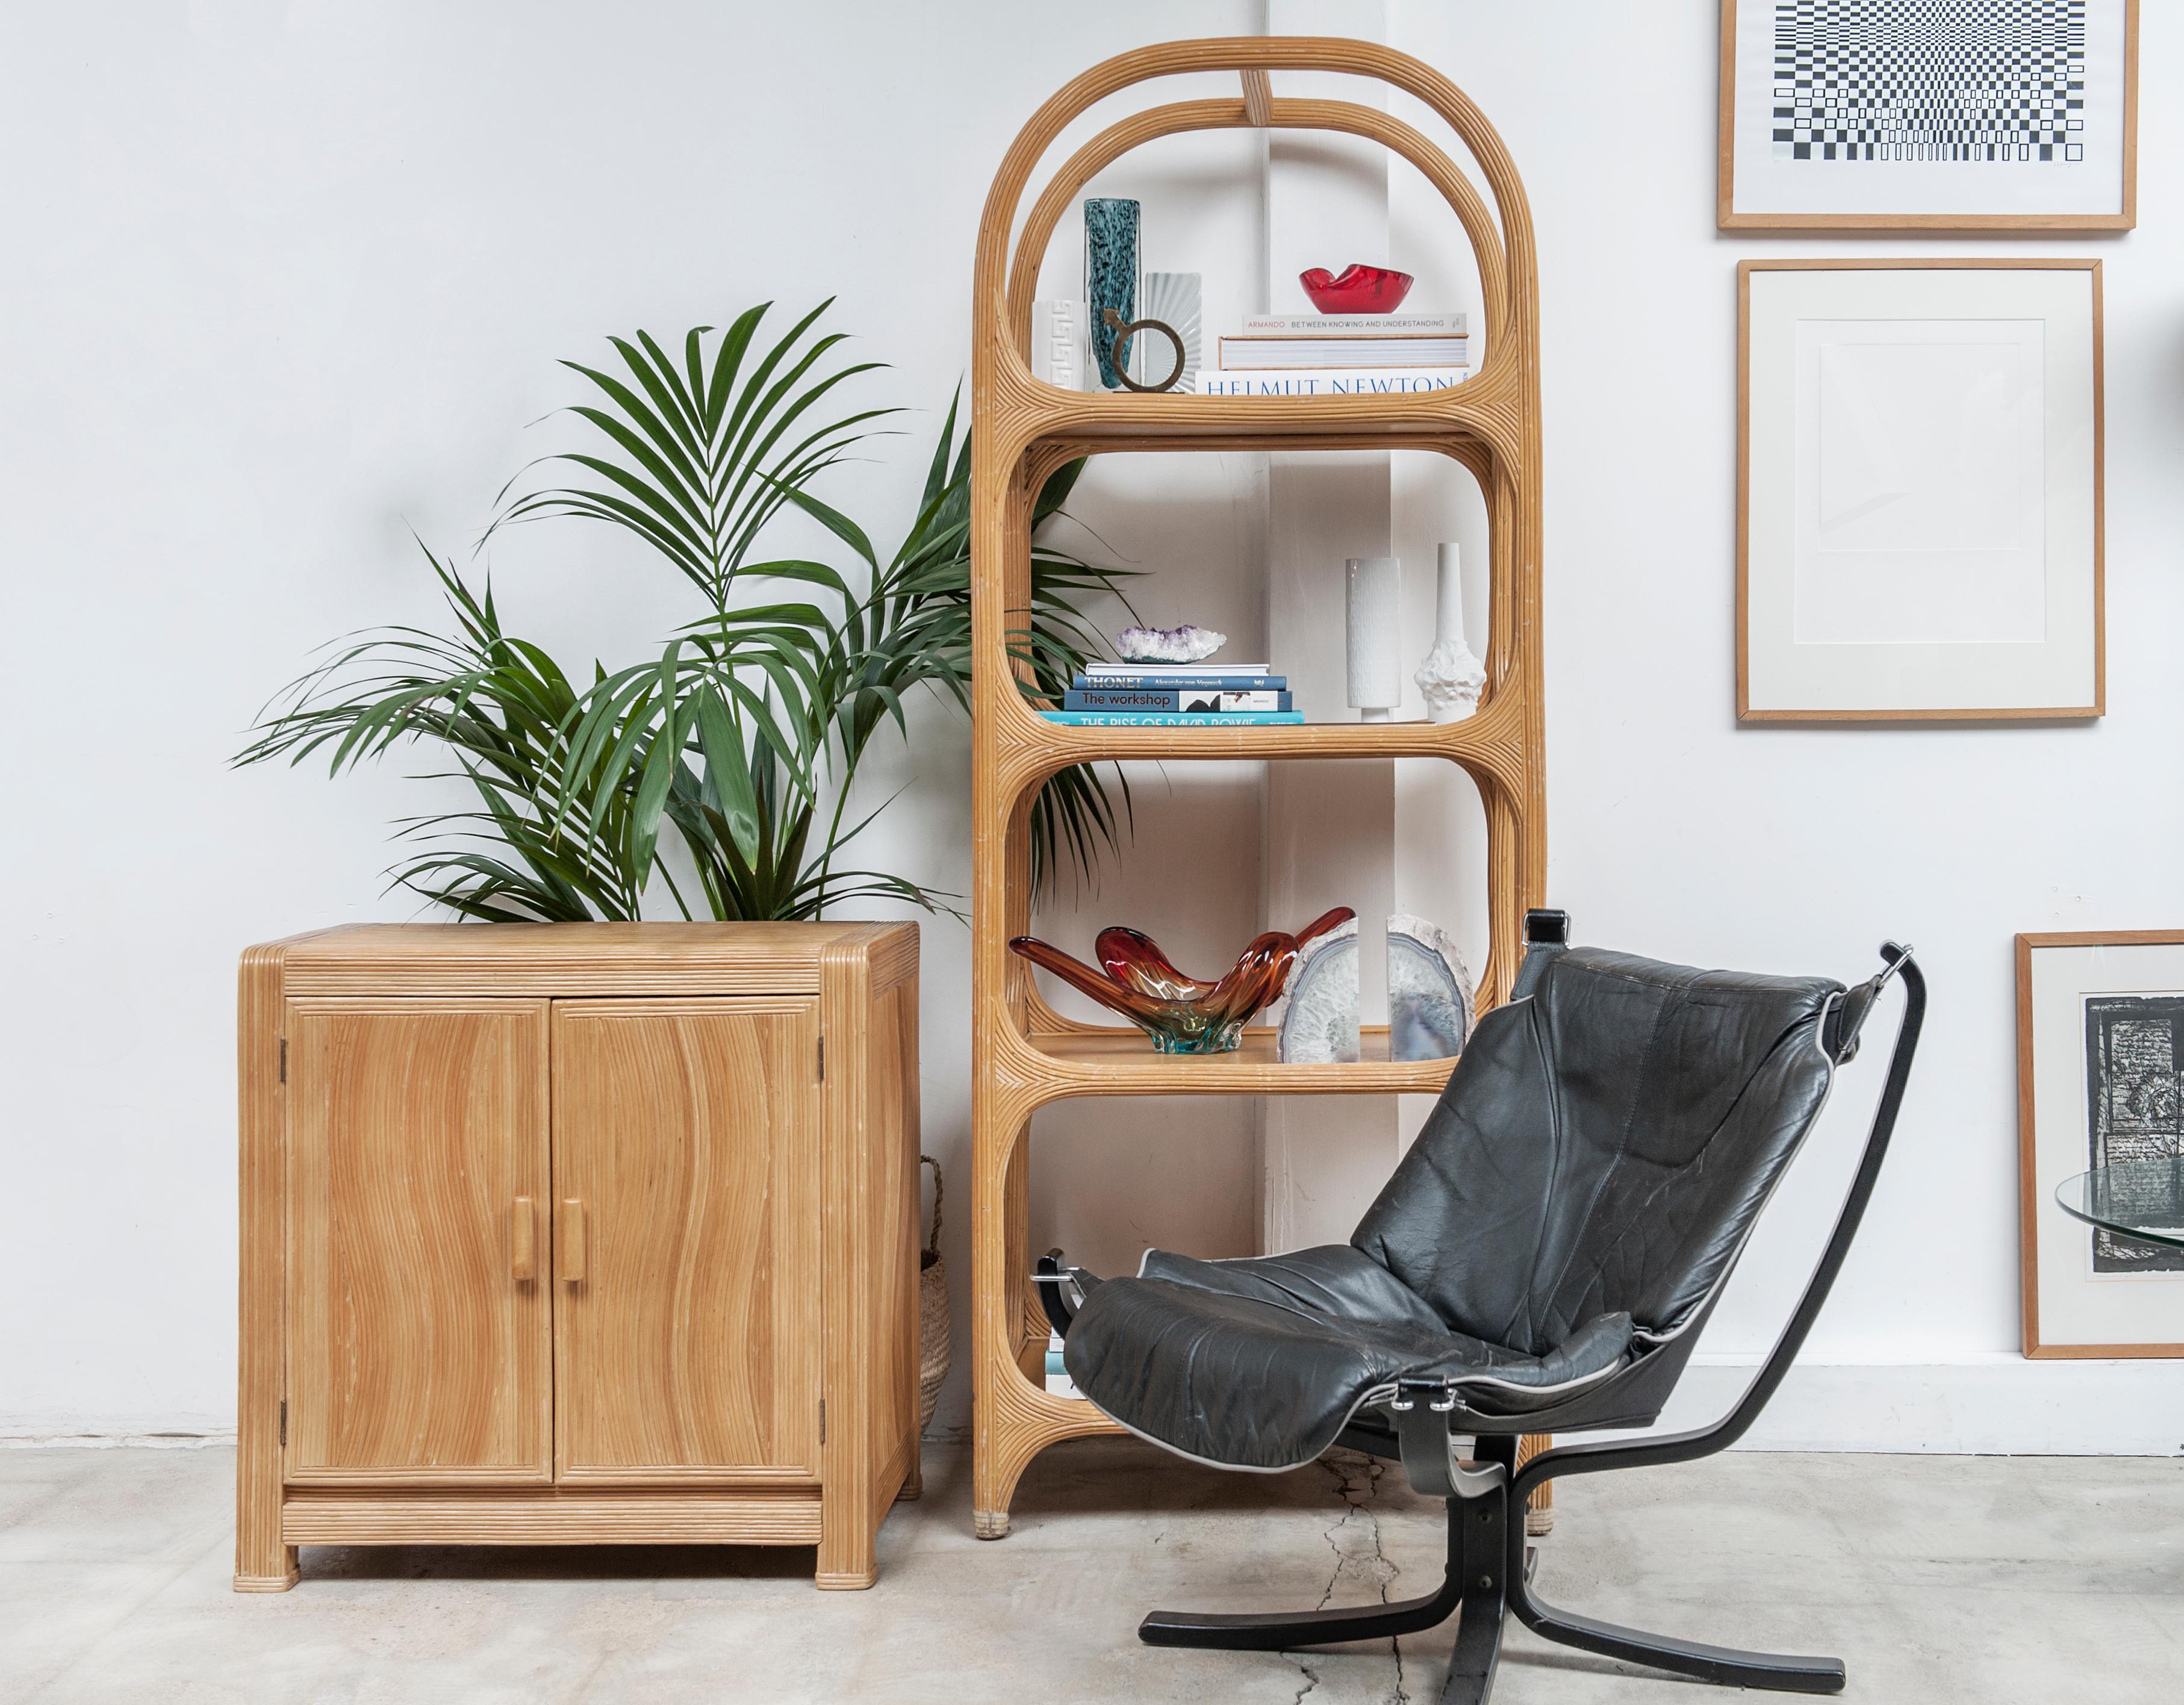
<point x="572" y="1241"/>
<point x="524" y="1244"/>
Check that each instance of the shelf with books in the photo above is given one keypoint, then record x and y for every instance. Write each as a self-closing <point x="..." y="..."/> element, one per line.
<point x="1480" y="408"/>
<point x="1490" y="745"/>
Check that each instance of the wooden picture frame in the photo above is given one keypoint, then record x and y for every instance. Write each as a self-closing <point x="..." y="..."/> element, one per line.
<point x="1877" y="219"/>
<point x="1782" y="677"/>
<point x="2037" y="1209"/>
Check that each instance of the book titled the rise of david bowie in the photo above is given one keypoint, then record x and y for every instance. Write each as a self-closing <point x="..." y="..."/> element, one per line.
<point x="1170" y="719"/>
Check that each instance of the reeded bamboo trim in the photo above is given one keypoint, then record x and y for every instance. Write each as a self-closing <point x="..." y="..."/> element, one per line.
<point x="1258" y="99"/>
<point x="1026" y="1055"/>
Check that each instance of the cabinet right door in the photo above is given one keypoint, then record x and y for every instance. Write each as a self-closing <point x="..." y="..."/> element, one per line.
<point x="686" y="1245"/>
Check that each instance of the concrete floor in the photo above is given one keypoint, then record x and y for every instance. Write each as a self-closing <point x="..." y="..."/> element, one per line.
<point x="1937" y="1579"/>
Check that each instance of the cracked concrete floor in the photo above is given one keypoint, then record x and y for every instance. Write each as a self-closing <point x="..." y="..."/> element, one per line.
<point x="1937" y="1578"/>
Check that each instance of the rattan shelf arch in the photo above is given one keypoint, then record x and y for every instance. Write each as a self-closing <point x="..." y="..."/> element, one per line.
<point x="1026" y="1055"/>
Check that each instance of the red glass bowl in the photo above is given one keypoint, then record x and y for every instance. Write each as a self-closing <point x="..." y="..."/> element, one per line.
<point x="1356" y="289"/>
<point x="1183" y="1014"/>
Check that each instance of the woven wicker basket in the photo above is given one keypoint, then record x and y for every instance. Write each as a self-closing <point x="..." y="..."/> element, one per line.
<point x="932" y="1311"/>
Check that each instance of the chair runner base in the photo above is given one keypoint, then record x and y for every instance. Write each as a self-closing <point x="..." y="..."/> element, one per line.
<point x="1489" y="1570"/>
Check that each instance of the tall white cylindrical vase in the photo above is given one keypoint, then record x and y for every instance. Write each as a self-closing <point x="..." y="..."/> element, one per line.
<point x="1452" y="677"/>
<point x="1374" y="601"/>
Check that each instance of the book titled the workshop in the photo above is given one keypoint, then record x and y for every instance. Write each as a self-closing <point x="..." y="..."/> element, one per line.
<point x="1330" y="382"/>
<point x="1178" y="699"/>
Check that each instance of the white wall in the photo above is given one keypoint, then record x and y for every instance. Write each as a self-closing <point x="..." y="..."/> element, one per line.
<point x="283" y="280"/>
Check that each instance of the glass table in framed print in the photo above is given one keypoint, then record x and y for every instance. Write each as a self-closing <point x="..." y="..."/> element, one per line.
<point x="2133" y="1202"/>
<point x="2100" y="1020"/>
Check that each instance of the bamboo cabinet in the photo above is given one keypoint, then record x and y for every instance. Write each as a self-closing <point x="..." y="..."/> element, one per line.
<point x="571" y="1234"/>
<point x="1026" y="1055"/>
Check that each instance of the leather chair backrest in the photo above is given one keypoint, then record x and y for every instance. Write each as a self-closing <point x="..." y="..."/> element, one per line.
<point x="1603" y="1145"/>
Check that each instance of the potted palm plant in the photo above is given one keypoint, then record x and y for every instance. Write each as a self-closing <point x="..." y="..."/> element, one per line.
<point x="739" y="743"/>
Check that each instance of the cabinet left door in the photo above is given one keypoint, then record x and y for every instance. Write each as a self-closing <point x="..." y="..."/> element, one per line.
<point x="419" y="1326"/>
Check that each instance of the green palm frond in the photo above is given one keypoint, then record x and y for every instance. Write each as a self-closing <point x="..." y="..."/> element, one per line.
<point x="744" y="736"/>
<point x="498" y="706"/>
<point x="698" y="459"/>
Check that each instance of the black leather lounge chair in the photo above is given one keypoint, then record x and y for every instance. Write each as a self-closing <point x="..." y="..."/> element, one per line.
<point x="1541" y="1261"/>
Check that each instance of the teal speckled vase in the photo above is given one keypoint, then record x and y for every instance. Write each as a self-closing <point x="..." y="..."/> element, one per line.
<point x="1111" y="267"/>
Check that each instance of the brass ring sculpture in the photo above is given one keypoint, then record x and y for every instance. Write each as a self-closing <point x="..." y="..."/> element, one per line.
<point x="1122" y="333"/>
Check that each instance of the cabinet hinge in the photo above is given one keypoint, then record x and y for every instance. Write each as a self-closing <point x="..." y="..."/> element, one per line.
<point x="284" y="1422"/>
<point x="284" y="1058"/>
<point x="822" y="1058"/>
<point x="822" y="1420"/>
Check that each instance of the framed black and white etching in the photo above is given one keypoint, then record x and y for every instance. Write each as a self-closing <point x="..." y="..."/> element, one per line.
<point x="1918" y="491"/>
<point x="2100" y="1082"/>
<point x="1947" y="115"/>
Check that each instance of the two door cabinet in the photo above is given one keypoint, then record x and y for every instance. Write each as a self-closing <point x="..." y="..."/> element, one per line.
<point x="578" y="1234"/>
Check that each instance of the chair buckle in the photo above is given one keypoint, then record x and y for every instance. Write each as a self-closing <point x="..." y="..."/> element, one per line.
<point x="1439" y="1393"/>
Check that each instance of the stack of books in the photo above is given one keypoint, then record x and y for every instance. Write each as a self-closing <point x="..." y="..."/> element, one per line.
<point x="1175" y="695"/>
<point x="1340" y="354"/>
<point x="1058" y="1382"/>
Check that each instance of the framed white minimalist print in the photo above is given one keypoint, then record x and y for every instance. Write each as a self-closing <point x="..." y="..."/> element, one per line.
<point x="1918" y="491"/>
<point x="1939" y="114"/>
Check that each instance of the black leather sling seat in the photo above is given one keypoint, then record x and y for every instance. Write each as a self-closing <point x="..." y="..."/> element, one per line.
<point x="1549" y="1246"/>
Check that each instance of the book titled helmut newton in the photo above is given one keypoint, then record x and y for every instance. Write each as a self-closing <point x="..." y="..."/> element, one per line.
<point x="1332" y="382"/>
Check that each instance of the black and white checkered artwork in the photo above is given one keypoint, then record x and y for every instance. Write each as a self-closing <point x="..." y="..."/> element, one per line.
<point x="1929" y="80"/>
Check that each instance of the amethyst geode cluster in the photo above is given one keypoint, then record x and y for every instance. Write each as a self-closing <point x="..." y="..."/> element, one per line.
<point x="1168" y="644"/>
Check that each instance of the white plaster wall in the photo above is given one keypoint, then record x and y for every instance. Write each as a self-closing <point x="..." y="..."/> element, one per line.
<point x="282" y="281"/>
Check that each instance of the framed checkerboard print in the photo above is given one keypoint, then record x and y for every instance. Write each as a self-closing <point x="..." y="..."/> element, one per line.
<point x="1879" y="115"/>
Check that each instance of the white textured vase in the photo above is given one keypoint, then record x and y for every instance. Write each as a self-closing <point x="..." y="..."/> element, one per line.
<point x="1375" y="605"/>
<point x="1452" y="677"/>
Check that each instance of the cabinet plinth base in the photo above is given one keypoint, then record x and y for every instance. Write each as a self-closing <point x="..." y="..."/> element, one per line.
<point x="548" y="1517"/>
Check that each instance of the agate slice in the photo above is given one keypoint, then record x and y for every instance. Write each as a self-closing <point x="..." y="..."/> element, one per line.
<point x="1319" y="1025"/>
<point x="1183" y="1014"/>
<point x="1429" y="991"/>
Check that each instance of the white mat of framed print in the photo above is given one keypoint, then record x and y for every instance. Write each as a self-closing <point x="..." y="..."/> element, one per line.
<point x="1942" y="114"/>
<point x="1919" y="490"/>
<point x="2100" y="1079"/>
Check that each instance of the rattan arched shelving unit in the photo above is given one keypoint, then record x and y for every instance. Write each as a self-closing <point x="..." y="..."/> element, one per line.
<point x="1025" y="1055"/>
